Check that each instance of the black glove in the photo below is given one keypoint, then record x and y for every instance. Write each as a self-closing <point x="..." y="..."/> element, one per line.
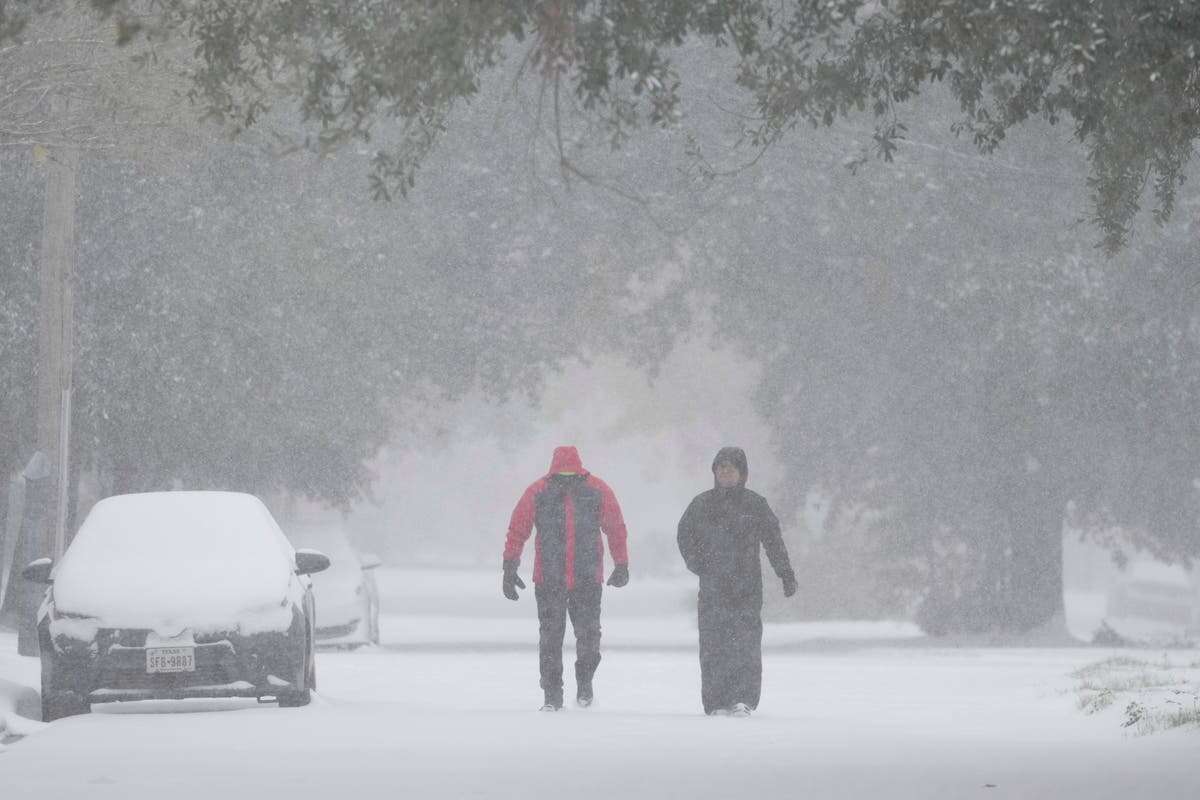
<point x="789" y="585"/>
<point x="512" y="580"/>
<point x="620" y="576"/>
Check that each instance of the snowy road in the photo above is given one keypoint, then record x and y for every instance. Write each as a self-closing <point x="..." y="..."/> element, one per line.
<point x="434" y="720"/>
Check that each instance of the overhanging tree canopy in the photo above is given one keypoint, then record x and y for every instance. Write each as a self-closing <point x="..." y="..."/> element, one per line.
<point x="1123" y="74"/>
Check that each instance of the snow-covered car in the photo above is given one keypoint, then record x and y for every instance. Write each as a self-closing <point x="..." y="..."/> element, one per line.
<point x="346" y="595"/>
<point x="1154" y="599"/>
<point x="171" y="595"/>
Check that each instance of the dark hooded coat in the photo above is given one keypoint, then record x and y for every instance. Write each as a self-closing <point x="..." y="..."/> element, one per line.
<point x="720" y="537"/>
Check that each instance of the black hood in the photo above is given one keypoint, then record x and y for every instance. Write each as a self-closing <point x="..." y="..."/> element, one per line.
<point x="735" y="456"/>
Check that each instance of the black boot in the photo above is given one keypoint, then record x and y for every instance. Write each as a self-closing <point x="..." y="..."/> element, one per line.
<point x="554" y="700"/>
<point x="584" y="672"/>
<point x="583" y="693"/>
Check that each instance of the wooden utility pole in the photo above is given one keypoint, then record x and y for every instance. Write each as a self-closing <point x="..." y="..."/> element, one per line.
<point x="56" y="335"/>
<point x="56" y="326"/>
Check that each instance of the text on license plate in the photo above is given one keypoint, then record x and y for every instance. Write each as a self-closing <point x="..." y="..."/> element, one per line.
<point x="171" y="659"/>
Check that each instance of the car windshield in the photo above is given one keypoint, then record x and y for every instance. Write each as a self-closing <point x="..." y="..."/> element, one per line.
<point x="174" y="559"/>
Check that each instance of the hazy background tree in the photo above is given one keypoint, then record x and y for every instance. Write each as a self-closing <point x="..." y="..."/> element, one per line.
<point x="944" y="349"/>
<point x="1122" y="74"/>
<point x="947" y="363"/>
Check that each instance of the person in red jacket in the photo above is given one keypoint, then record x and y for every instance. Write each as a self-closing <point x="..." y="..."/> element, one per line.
<point x="570" y="508"/>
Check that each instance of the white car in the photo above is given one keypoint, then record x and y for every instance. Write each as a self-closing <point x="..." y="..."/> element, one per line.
<point x="1154" y="601"/>
<point x="176" y="595"/>
<point x="347" y="598"/>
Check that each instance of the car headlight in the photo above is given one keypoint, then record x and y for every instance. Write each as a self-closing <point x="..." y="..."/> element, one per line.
<point x="69" y="630"/>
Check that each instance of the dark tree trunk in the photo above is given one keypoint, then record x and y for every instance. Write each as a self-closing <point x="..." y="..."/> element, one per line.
<point x="7" y="531"/>
<point x="1011" y="578"/>
<point x="1034" y="568"/>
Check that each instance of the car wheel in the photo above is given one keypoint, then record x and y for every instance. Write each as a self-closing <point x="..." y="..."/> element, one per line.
<point x="374" y="623"/>
<point x="57" y="703"/>
<point x="306" y="679"/>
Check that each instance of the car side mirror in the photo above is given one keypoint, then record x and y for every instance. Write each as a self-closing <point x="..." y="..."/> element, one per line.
<point x="310" y="561"/>
<point x="38" y="571"/>
<point x="370" y="561"/>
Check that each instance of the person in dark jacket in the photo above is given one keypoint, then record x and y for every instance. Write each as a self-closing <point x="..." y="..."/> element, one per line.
<point x="570" y="508"/>
<point x="719" y="538"/>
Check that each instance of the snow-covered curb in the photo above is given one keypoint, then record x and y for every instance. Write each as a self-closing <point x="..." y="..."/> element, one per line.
<point x="20" y="704"/>
<point x="401" y="631"/>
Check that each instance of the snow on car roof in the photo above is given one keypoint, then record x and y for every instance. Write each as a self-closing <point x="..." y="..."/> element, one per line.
<point x="1157" y="572"/>
<point x="174" y="559"/>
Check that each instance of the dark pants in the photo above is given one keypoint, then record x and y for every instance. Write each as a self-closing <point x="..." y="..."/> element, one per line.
<point x="730" y="653"/>
<point x="554" y="604"/>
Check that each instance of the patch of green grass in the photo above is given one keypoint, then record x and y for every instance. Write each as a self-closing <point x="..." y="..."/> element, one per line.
<point x="1175" y="714"/>
<point x="1127" y="683"/>
<point x="1092" y="702"/>
<point x="1181" y="717"/>
<point x="1109" y="665"/>
<point x="1157" y="696"/>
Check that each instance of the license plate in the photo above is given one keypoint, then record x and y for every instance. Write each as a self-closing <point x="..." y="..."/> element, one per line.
<point x="171" y="659"/>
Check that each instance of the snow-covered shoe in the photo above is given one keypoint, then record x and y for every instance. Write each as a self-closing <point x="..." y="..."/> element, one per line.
<point x="583" y="695"/>
<point x="739" y="710"/>
<point x="553" y="701"/>
<point x="719" y="712"/>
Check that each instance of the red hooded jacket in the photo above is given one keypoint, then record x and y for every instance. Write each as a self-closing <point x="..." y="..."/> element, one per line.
<point x="570" y="508"/>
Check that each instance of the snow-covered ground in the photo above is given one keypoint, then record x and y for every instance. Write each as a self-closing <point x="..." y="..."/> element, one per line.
<point x="463" y="609"/>
<point x="848" y="711"/>
<point x="19" y="702"/>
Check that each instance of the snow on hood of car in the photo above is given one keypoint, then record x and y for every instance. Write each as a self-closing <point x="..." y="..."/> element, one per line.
<point x="167" y="561"/>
